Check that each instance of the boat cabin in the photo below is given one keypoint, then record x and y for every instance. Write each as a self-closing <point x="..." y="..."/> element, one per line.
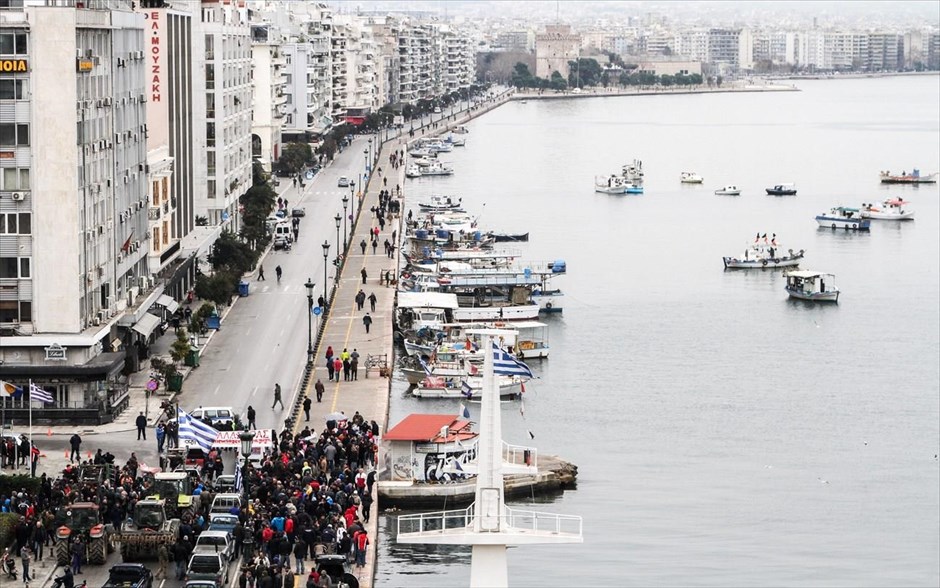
<point x="426" y="447"/>
<point x="420" y="310"/>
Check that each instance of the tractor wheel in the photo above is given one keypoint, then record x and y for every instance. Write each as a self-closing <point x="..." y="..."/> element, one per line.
<point x="127" y="554"/>
<point x="97" y="551"/>
<point x="62" y="553"/>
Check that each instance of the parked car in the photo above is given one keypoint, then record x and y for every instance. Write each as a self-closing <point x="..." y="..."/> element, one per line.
<point x="337" y="568"/>
<point x="298" y="212"/>
<point x="207" y="566"/>
<point x="343" y="182"/>
<point x="216" y="542"/>
<point x="129" y="575"/>
<point x="220" y="521"/>
<point x="225" y="483"/>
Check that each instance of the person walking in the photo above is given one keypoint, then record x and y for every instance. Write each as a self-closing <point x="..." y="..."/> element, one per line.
<point x="354" y="368"/>
<point x="78" y="550"/>
<point x="362" y="545"/>
<point x="362" y="245"/>
<point x="319" y="388"/>
<point x="337" y="367"/>
<point x="141" y="423"/>
<point x="364" y="274"/>
<point x="372" y="301"/>
<point x="367" y="321"/>
<point x="25" y="558"/>
<point x="39" y="540"/>
<point x="161" y="437"/>
<point x="251" y="417"/>
<point x="261" y="273"/>
<point x="277" y="397"/>
<point x="307" y="403"/>
<point x="375" y="245"/>
<point x="360" y="299"/>
<point x="163" y="558"/>
<point x="346" y="370"/>
<point x="329" y="367"/>
<point x="278" y="272"/>
<point x="76" y="443"/>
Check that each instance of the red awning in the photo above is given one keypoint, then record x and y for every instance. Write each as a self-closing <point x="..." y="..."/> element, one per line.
<point x="424" y="427"/>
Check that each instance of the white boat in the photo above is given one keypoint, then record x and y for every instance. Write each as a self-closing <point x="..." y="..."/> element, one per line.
<point x="612" y="184"/>
<point x="456" y="140"/>
<point x="441" y="203"/>
<point x="513" y="312"/>
<point x="413" y="171"/>
<point x="814" y="286"/>
<point x="891" y="209"/>
<point x="420" y="152"/>
<point x="467" y="387"/>
<point x="436" y="169"/>
<point x="633" y="172"/>
<point x="691" y="178"/>
<point x="729" y="190"/>
<point x="764" y="254"/>
<point x="842" y="217"/>
<point x="438" y="146"/>
<point x="424" y="311"/>
<point x="461" y="130"/>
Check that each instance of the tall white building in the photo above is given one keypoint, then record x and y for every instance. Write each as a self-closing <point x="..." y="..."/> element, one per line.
<point x="222" y="103"/>
<point x="270" y="99"/>
<point x="74" y="234"/>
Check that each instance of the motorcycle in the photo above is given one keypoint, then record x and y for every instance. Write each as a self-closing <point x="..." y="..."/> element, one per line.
<point x="9" y="566"/>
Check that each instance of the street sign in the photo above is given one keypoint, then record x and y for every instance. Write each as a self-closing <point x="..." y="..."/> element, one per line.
<point x="152" y="385"/>
<point x="317" y="310"/>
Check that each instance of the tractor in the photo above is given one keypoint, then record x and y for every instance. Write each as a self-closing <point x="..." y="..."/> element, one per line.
<point x="81" y="521"/>
<point x="176" y="488"/>
<point x="149" y="528"/>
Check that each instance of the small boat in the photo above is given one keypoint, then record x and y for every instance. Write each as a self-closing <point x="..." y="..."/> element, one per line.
<point x="891" y="209"/>
<point x="691" y="178"/>
<point x="813" y="286"/>
<point x="633" y="172"/>
<point x="764" y="254"/>
<point x="782" y="190"/>
<point x="461" y="130"/>
<point x="612" y="184"/>
<point x="467" y="387"/>
<point x="842" y="217"/>
<point x="908" y="178"/>
<point x="456" y="140"/>
<point x="509" y="237"/>
<point x="436" y="169"/>
<point x="413" y="171"/>
<point x="634" y="189"/>
<point x="728" y="191"/>
<point x="441" y="203"/>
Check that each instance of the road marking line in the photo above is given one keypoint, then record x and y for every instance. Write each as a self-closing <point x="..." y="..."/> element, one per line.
<point x="216" y="391"/>
<point x="255" y="391"/>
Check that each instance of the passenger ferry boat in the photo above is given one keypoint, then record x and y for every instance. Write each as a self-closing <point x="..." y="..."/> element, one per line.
<point x="842" y="217"/>
<point x="812" y="286"/>
<point x="891" y="209"/>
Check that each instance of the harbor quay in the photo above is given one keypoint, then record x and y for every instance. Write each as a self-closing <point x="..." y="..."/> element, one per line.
<point x="626" y="91"/>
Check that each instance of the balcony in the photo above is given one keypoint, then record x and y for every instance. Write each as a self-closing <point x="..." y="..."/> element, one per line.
<point x="153" y="213"/>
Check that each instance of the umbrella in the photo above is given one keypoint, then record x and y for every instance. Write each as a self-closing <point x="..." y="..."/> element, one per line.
<point x="335" y="416"/>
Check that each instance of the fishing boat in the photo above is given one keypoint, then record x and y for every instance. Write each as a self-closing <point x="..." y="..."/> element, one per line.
<point x="436" y="169"/>
<point x="413" y="171"/>
<point x="764" y="254"/>
<point x="908" y="178"/>
<point x="467" y="387"/>
<point x="813" y="286"/>
<point x="842" y="217"/>
<point x="612" y="184"/>
<point x="634" y="189"/>
<point x="782" y="190"/>
<point x="440" y="203"/>
<point x="891" y="209"/>
<point x="729" y="190"/>
<point x="690" y="178"/>
<point x="456" y="140"/>
<point x="633" y="172"/>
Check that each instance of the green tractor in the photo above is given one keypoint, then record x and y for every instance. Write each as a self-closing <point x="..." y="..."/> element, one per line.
<point x="81" y="521"/>
<point x="149" y="528"/>
<point x="176" y="488"/>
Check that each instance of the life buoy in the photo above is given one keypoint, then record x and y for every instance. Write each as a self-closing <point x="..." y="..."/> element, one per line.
<point x="548" y="305"/>
<point x="854" y="225"/>
<point x="764" y="262"/>
<point x="499" y="325"/>
<point x="776" y="261"/>
<point x="833" y="225"/>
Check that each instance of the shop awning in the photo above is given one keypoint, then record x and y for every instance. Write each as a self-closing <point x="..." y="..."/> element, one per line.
<point x="146" y="324"/>
<point x="168" y="303"/>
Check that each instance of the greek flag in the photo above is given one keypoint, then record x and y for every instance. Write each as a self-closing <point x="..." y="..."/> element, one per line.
<point x="195" y="430"/>
<point x="424" y="365"/>
<point x="465" y="389"/>
<point x="464" y="411"/>
<point x="238" y="479"/>
<point x="37" y="393"/>
<point x="507" y="365"/>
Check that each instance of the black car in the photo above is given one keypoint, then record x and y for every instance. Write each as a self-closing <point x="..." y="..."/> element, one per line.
<point x="337" y="568"/>
<point x="296" y="212"/>
<point x="129" y="575"/>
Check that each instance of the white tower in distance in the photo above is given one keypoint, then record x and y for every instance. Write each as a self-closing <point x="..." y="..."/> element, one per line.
<point x="488" y="524"/>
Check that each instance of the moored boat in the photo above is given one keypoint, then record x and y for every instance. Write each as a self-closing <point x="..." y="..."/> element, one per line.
<point x="782" y="190"/>
<point x="509" y="237"/>
<point x="436" y="169"/>
<point x="612" y="184"/>
<point x="891" y="209"/>
<point x="634" y="189"/>
<point x="441" y="203"/>
<point x="690" y="178"/>
<point x="842" y="217"/>
<point x="413" y="171"/>
<point x="633" y="172"/>
<point x="812" y="286"/>
<point x="729" y="190"/>
<point x="764" y="254"/>
<point x="908" y="178"/>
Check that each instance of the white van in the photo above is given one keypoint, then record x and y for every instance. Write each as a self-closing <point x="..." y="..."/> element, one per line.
<point x="217" y="415"/>
<point x="283" y="235"/>
<point x="224" y="503"/>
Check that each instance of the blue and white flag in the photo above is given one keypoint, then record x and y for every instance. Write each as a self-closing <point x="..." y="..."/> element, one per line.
<point x="424" y="366"/>
<point x="464" y="411"/>
<point x="238" y="479"/>
<point x="465" y="389"/>
<point x="507" y="365"/>
<point x="195" y="430"/>
<point x="37" y="393"/>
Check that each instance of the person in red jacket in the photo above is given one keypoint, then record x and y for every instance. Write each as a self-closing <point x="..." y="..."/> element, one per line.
<point x="337" y="367"/>
<point x="362" y="545"/>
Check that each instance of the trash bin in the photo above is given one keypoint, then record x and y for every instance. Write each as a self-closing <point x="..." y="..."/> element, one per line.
<point x="192" y="358"/>
<point x="243" y="288"/>
<point x="175" y="383"/>
<point x="213" y="321"/>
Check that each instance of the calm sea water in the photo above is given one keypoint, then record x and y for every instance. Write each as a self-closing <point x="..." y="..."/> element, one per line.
<point x="703" y="408"/>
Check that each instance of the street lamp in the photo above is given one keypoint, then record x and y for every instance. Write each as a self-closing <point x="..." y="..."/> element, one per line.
<point x="245" y="439"/>
<point x="371" y="158"/>
<point x="310" y="285"/>
<point x="326" y="254"/>
<point x="365" y="159"/>
<point x="339" y="221"/>
<point x="345" y="204"/>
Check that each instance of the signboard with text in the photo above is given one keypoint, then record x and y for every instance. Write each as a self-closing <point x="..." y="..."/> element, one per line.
<point x="229" y="439"/>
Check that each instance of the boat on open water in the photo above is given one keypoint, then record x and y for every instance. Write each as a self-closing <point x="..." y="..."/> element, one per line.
<point x="843" y="217"/>
<point x="764" y="254"/>
<point x="891" y="209"/>
<point x="812" y="286"/>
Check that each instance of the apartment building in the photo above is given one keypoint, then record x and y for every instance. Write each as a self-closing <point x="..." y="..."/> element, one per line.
<point x="730" y="50"/>
<point x="269" y="98"/>
<point x="885" y="52"/>
<point x="73" y="261"/>
<point x="222" y="103"/>
<point x="459" y="61"/>
<point x="414" y="52"/>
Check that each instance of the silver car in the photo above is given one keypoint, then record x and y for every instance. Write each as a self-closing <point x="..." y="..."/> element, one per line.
<point x="216" y="542"/>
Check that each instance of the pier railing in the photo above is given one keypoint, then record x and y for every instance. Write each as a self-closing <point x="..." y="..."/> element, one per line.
<point x="511" y="520"/>
<point x="520" y="455"/>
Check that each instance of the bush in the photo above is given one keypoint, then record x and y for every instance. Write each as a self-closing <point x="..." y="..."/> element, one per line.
<point x="18" y="483"/>
<point x="8" y="520"/>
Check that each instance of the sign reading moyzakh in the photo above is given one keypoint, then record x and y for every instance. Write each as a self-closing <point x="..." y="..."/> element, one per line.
<point x="13" y="65"/>
<point x="55" y="352"/>
<point x="230" y="439"/>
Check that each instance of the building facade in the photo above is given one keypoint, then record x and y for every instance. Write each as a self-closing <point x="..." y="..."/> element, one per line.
<point x="269" y="111"/>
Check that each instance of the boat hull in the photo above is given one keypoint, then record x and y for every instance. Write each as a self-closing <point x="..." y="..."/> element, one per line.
<point x="772" y="192"/>
<point x="496" y="313"/>
<point x="909" y="215"/>
<point x="610" y="189"/>
<point x="831" y="296"/>
<point x="727" y="192"/>
<point x="549" y="302"/>
<point x="852" y="224"/>
<point x="507" y="238"/>
<point x="508" y="391"/>
<point x="781" y="262"/>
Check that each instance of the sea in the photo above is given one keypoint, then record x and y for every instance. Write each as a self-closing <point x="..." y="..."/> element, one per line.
<point x="724" y="434"/>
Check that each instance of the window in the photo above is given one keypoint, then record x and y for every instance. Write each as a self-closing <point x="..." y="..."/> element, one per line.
<point x="12" y="310"/>
<point x="156" y="239"/>
<point x="210" y="76"/>
<point x="13" y="223"/>
<point x="14" y="134"/>
<point x="156" y="194"/>
<point x="210" y="47"/>
<point x="15" y="179"/>
<point x="12" y="89"/>
<point x="12" y="43"/>
<point x="14" y="267"/>
<point x="210" y="163"/>
<point x="210" y="134"/>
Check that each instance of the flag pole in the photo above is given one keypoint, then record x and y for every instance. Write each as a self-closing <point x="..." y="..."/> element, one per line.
<point x="30" y="454"/>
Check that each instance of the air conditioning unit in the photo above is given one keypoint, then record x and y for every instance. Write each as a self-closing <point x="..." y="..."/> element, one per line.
<point x="136" y="245"/>
<point x="107" y="101"/>
<point x="97" y="320"/>
<point x="119" y="139"/>
<point x="89" y="53"/>
<point x="143" y="282"/>
<point x="18" y="196"/>
<point x="101" y="230"/>
<point x="94" y="148"/>
<point x="98" y="103"/>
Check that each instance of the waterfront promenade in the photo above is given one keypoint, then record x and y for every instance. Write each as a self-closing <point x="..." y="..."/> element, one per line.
<point x="624" y="91"/>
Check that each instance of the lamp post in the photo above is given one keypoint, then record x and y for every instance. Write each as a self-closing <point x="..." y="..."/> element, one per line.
<point x="310" y="285"/>
<point x="326" y="254"/>
<point x="345" y="204"/>
<point x="365" y="158"/>
<point x="245" y="439"/>
<point x="339" y="221"/>
<point x="371" y="157"/>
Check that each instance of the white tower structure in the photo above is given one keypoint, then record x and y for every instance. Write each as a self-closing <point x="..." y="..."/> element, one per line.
<point x="488" y="524"/>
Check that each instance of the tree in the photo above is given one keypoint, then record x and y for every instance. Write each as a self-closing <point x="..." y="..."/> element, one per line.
<point x="232" y="255"/>
<point x="218" y="288"/>
<point x="180" y="347"/>
<point x="294" y="157"/>
<point x="584" y="72"/>
<point x="521" y="76"/>
<point x="557" y="81"/>
<point x="667" y="80"/>
<point x="257" y="203"/>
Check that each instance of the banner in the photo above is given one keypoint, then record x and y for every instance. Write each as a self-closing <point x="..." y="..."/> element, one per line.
<point x="229" y="439"/>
